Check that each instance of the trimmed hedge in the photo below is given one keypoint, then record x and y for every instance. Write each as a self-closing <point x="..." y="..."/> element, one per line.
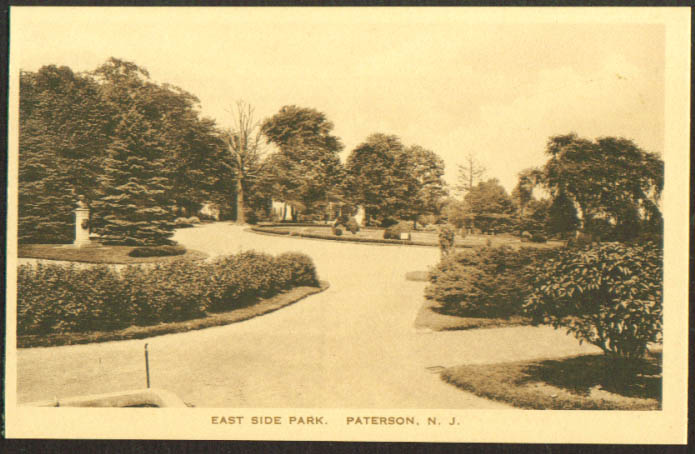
<point x="56" y="298"/>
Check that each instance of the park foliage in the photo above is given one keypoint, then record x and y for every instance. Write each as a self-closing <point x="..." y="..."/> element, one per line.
<point x="56" y="298"/>
<point x="484" y="282"/>
<point x="136" y="151"/>
<point x="609" y="295"/>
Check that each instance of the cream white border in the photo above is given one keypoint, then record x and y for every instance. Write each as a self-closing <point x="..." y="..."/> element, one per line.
<point x="666" y="426"/>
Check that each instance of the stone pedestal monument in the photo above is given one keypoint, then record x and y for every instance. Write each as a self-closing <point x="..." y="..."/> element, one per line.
<point x="81" y="225"/>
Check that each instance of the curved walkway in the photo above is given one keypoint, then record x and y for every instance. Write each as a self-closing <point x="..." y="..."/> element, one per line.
<point x="352" y="346"/>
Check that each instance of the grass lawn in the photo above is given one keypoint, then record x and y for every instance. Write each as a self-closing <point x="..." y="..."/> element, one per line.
<point x="587" y="382"/>
<point x="95" y="254"/>
<point x="261" y="307"/>
<point x="420" y="237"/>
<point x="428" y="317"/>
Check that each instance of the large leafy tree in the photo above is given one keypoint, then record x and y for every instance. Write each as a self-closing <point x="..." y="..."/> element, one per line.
<point x="489" y="206"/>
<point x="610" y="179"/>
<point x="379" y="178"/>
<point x="306" y="170"/>
<point x="427" y="168"/>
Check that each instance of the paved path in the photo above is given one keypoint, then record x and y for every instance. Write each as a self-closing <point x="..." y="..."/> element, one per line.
<point x="352" y="346"/>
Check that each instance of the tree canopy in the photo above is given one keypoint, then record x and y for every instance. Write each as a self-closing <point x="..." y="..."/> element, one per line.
<point x="427" y="168"/>
<point x="70" y="125"/>
<point x="609" y="179"/>
<point x="379" y="178"/>
<point x="63" y="133"/>
<point x="489" y="205"/>
<point x="306" y="171"/>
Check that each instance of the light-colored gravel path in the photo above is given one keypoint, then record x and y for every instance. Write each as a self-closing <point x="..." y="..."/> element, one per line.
<point x="352" y="346"/>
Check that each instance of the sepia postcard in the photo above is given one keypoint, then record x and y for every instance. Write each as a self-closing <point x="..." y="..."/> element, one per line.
<point x="348" y="224"/>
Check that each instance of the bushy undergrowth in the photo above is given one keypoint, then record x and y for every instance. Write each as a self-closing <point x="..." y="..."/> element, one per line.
<point x="54" y="298"/>
<point x="484" y="282"/>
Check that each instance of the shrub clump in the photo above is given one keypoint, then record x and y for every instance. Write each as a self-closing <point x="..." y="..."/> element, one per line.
<point x="336" y="230"/>
<point x="394" y="232"/>
<point x="484" y="282"/>
<point x="446" y="240"/>
<point x="58" y="298"/>
<point x="157" y="251"/>
<point x="64" y="298"/>
<point x="538" y="238"/>
<point x="300" y="267"/>
<point x="609" y="295"/>
<point x="352" y="225"/>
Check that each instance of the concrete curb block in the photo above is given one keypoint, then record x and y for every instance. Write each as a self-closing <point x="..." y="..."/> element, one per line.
<point x="150" y="397"/>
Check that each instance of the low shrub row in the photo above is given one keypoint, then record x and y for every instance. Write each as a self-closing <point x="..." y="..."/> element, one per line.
<point x="55" y="298"/>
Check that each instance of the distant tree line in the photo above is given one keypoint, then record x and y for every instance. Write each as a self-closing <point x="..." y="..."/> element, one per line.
<point x="139" y="154"/>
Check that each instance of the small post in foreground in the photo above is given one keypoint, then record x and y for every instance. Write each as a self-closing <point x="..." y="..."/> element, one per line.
<point x="147" y="366"/>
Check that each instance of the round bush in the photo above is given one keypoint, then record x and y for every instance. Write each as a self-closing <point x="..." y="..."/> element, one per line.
<point x="300" y="268"/>
<point x="484" y="282"/>
<point x="394" y="232"/>
<point x="336" y="230"/>
<point x="352" y="226"/>
<point x="609" y="295"/>
<point x="539" y="238"/>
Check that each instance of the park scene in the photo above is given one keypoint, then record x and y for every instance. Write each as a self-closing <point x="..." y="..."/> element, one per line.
<point x="266" y="261"/>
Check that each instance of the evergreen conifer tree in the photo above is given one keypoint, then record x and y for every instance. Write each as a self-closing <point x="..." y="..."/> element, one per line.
<point x="133" y="208"/>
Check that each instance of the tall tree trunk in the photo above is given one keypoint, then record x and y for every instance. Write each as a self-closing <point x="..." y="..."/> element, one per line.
<point x="240" y="215"/>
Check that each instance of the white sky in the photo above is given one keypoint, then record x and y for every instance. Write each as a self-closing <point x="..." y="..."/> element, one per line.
<point x="496" y="82"/>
